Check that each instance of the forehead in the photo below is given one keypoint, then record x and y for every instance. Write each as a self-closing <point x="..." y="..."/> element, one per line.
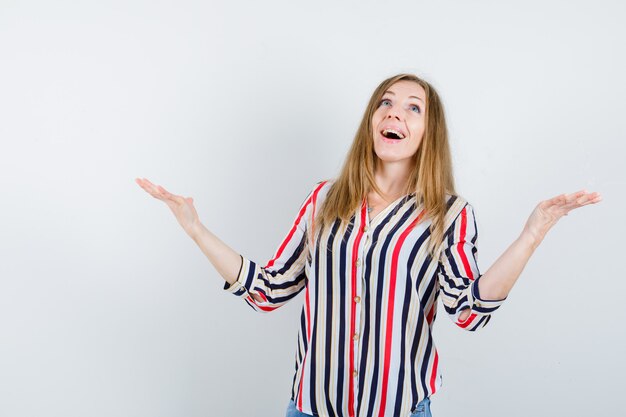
<point x="406" y="89"/>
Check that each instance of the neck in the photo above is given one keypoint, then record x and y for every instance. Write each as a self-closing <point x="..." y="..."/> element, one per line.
<point x="392" y="178"/>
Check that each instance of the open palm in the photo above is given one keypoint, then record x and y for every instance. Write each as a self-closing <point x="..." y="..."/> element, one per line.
<point x="182" y="207"/>
<point x="548" y="212"/>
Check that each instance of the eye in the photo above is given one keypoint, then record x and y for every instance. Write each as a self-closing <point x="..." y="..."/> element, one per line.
<point x="415" y="108"/>
<point x="384" y="102"/>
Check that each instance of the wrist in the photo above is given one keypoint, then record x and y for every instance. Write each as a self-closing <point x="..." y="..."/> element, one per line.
<point x="195" y="230"/>
<point x="529" y="240"/>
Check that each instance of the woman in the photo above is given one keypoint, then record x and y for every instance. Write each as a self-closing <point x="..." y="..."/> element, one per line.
<point x="374" y="250"/>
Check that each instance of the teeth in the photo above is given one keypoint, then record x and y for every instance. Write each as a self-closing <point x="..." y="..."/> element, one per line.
<point x="398" y="134"/>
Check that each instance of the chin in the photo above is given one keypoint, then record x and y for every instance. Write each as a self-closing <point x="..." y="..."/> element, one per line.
<point x="390" y="158"/>
<point x="388" y="152"/>
<point x="391" y="155"/>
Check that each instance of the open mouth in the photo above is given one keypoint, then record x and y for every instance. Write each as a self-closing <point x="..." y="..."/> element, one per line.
<point x="392" y="134"/>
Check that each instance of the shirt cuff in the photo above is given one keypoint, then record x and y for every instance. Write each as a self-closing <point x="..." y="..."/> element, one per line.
<point x="481" y="305"/>
<point x="245" y="279"/>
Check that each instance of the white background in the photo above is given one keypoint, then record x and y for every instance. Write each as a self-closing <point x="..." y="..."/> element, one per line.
<point x="107" y="308"/>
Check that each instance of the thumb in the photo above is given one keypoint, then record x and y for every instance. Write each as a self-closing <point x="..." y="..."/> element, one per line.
<point x="190" y="199"/>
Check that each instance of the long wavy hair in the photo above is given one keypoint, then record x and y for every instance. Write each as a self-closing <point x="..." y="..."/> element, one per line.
<point x="431" y="175"/>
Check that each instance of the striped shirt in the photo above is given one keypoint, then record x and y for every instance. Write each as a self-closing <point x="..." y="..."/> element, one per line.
<point x="365" y="345"/>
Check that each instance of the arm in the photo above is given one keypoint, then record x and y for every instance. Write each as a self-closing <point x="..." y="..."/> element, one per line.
<point x="458" y="279"/>
<point x="497" y="282"/>
<point x="263" y="288"/>
<point x="459" y="276"/>
<point x="225" y="260"/>
<point x="500" y="278"/>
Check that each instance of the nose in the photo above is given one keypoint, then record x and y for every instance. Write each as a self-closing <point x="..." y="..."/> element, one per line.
<point x="393" y="113"/>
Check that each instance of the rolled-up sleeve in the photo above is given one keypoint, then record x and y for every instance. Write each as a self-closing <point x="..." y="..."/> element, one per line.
<point x="284" y="276"/>
<point x="458" y="274"/>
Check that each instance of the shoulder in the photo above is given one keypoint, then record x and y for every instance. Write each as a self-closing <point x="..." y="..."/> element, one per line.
<point x="321" y="188"/>
<point x="317" y="192"/>
<point x="455" y="204"/>
<point x="458" y="209"/>
<point x="327" y="183"/>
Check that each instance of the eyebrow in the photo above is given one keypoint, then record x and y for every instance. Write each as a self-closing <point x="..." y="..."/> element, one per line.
<point x="391" y="92"/>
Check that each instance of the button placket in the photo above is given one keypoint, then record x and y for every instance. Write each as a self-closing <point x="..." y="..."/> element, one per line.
<point x="357" y="291"/>
<point x="363" y="249"/>
<point x="359" y="311"/>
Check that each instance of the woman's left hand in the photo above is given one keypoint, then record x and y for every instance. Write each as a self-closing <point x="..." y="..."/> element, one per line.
<point x="548" y="212"/>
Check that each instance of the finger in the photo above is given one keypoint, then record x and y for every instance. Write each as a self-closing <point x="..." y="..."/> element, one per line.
<point x="151" y="189"/>
<point x="591" y="199"/>
<point x="559" y="199"/>
<point x="595" y="195"/>
<point x="166" y="193"/>
<point x="587" y="198"/>
<point x="180" y="200"/>
<point x="146" y="187"/>
<point x="152" y="186"/>
<point x="140" y="182"/>
<point x="585" y="193"/>
<point x="583" y="199"/>
<point x="573" y="200"/>
<point x="145" y="183"/>
<point x="567" y="207"/>
<point x="161" y="193"/>
<point x="576" y="195"/>
<point x="572" y="197"/>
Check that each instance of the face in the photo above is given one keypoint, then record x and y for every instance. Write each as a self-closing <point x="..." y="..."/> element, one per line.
<point x="399" y="121"/>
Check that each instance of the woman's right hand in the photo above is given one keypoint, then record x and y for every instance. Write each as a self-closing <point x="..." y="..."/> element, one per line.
<point x="182" y="207"/>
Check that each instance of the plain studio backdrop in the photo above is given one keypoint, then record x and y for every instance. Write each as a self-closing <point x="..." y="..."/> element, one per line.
<point x="107" y="308"/>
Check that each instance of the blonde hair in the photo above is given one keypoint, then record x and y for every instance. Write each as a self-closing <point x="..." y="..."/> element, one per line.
<point x="430" y="178"/>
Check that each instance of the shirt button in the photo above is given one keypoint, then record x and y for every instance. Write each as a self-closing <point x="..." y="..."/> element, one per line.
<point x="365" y="228"/>
<point x="357" y="299"/>
<point x="355" y="373"/>
<point x="355" y="337"/>
<point x="358" y="262"/>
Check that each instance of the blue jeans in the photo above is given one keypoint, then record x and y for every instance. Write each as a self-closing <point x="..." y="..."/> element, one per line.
<point x="422" y="410"/>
